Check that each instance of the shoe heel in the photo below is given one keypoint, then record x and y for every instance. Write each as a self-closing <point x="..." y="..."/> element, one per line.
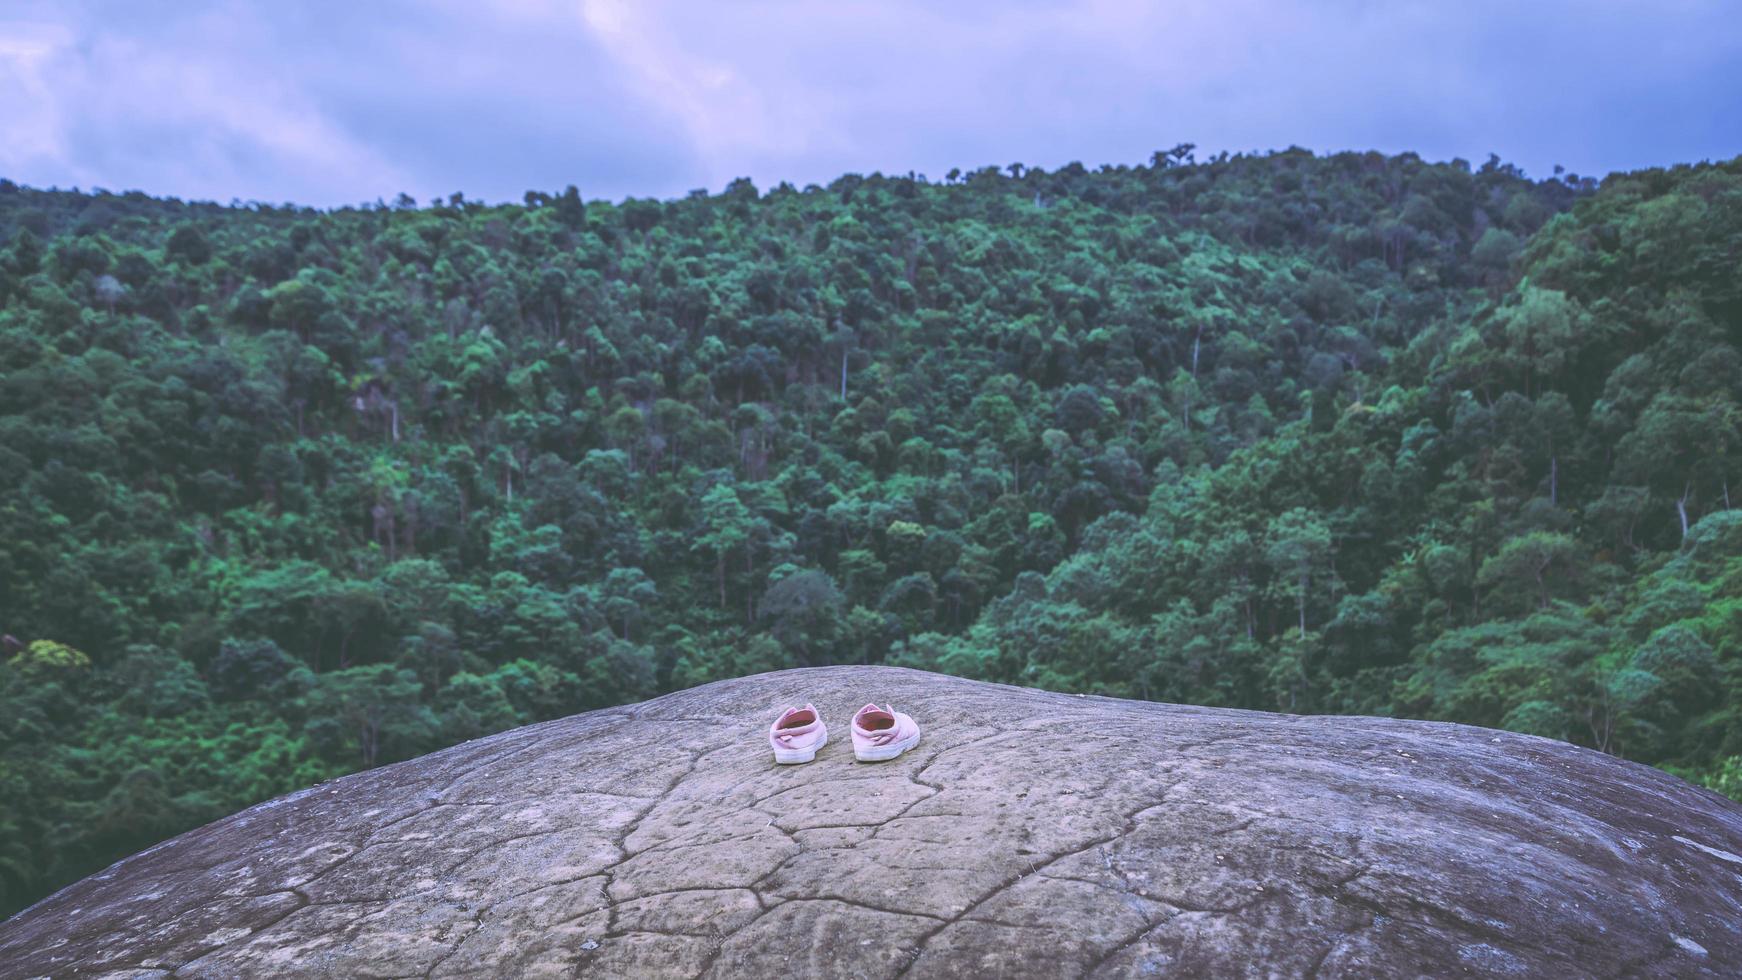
<point x="795" y="757"/>
<point x="884" y="753"/>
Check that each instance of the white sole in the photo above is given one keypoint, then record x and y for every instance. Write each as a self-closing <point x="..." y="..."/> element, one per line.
<point x="793" y="757"/>
<point x="883" y="753"/>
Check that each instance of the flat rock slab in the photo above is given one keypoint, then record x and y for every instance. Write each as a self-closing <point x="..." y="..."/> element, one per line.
<point x="1028" y="834"/>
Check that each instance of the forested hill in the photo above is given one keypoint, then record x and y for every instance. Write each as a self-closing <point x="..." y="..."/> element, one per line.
<point x="285" y="493"/>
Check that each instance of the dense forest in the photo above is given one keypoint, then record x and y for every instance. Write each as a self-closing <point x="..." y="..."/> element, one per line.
<point x="285" y="493"/>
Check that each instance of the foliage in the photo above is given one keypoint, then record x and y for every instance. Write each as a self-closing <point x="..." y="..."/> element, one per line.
<point x="321" y="490"/>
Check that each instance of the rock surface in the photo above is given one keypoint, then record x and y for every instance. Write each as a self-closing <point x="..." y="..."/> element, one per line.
<point x="1028" y="834"/>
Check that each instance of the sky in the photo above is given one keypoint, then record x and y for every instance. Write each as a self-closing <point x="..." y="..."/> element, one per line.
<point x="329" y="103"/>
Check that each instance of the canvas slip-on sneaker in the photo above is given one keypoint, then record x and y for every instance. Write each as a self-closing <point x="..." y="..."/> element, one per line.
<point x="880" y="734"/>
<point x="797" y="735"/>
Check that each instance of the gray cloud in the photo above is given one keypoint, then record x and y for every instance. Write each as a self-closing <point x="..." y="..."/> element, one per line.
<point x="328" y="102"/>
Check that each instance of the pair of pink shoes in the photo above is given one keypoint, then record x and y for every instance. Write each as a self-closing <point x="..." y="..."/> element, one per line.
<point x="879" y="734"/>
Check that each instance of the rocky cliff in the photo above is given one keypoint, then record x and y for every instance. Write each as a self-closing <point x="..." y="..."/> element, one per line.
<point x="1028" y="834"/>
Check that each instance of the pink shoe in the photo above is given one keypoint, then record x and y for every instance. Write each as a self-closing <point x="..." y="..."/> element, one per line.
<point x="880" y="734"/>
<point x="797" y="736"/>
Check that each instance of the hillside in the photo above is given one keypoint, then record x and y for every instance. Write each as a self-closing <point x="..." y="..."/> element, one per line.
<point x="288" y="493"/>
<point x="1029" y="834"/>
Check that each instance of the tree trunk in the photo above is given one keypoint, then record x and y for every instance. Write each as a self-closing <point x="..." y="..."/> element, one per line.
<point x="411" y="527"/>
<point x="345" y="648"/>
<point x="1303" y="593"/>
<point x="749" y="593"/>
<point x="370" y="738"/>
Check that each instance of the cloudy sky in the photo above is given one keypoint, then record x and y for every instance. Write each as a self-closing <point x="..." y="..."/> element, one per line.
<point x="341" y="102"/>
